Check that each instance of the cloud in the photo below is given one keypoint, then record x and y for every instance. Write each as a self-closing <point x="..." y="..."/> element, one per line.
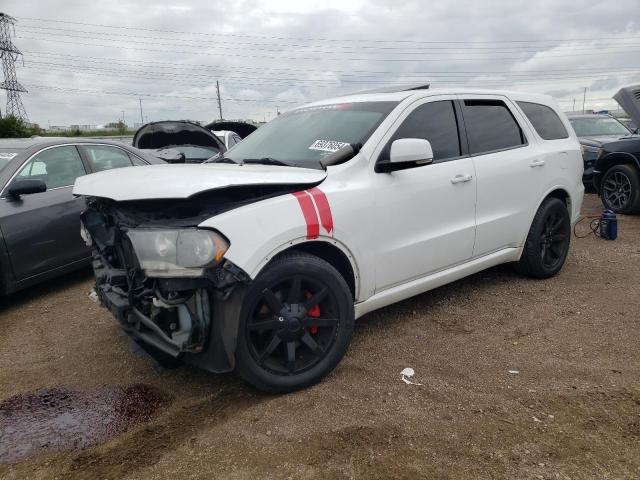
<point x="279" y="54"/>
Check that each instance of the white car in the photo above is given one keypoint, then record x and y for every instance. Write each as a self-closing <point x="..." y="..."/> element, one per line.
<point x="260" y="263"/>
<point x="227" y="137"/>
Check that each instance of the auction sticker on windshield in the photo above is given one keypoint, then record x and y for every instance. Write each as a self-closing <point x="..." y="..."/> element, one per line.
<point x="327" y="145"/>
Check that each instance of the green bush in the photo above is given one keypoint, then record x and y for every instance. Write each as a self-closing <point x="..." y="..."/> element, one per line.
<point x="12" y="127"/>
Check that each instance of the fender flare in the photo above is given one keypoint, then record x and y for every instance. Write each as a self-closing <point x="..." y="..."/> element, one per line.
<point x="303" y="240"/>
<point x="542" y="199"/>
<point x="600" y="161"/>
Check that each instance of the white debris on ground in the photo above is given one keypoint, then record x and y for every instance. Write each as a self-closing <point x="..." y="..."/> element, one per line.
<point x="93" y="296"/>
<point x="407" y="374"/>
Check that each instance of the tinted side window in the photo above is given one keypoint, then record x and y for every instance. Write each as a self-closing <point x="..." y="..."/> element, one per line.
<point x="105" y="158"/>
<point x="56" y="167"/>
<point x="544" y="120"/>
<point x="490" y="126"/>
<point x="436" y="122"/>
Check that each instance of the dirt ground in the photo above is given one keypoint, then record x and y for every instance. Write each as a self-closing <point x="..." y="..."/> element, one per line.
<point x="572" y="411"/>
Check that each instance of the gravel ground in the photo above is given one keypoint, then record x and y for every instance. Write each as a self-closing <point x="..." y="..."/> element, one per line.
<point x="572" y="411"/>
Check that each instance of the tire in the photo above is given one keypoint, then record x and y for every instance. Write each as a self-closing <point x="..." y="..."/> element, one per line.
<point x="547" y="244"/>
<point x="287" y="340"/>
<point x="620" y="189"/>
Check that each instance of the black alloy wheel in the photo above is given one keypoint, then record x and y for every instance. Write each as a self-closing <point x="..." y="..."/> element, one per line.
<point x="295" y="325"/>
<point x="616" y="190"/>
<point x="292" y="325"/>
<point x="553" y="240"/>
<point x="547" y="243"/>
<point x="620" y="189"/>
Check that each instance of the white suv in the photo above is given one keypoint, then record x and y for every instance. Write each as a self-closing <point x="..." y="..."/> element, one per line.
<point x="261" y="261"/>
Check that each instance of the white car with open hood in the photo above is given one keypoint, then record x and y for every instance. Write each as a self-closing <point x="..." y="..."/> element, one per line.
<point x="260" y="260"/>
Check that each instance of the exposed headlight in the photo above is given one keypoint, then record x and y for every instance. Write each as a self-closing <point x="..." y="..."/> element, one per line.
<point x="171" y="253"/>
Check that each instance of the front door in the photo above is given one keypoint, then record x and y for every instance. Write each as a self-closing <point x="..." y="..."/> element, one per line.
<point x="426" y="214"/>
<point x="42" y="230"/>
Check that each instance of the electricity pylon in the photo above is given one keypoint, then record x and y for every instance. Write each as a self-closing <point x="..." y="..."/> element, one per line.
<point x="9" y="54"/>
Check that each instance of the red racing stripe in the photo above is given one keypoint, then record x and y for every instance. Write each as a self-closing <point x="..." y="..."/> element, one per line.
<point x="309" y="213"/>
<point x="326" y="219"/>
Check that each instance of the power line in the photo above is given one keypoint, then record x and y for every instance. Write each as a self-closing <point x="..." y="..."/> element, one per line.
<point x="280" y="57"/>
<point x="198" y="43"/>
<point x="347" y="73"/>
<point x="227" y="34"/>
<point x="159" y="95"/>
<point x="176" y="77"/>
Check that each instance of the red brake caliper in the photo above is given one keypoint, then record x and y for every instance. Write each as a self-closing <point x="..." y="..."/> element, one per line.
<point x="315" y="313"/>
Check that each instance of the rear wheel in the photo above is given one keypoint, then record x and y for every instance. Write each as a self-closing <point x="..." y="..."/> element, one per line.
<point x="296" y="324"/>
<point x="620" y="189"/>
<point x="548" y="240"/>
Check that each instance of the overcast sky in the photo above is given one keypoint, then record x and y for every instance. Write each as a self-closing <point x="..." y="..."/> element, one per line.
<point x="88" y="62"/>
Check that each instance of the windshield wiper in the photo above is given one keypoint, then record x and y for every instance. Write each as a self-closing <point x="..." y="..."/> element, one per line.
<point x="221" y="160"/>
<point x="268" y="161"/>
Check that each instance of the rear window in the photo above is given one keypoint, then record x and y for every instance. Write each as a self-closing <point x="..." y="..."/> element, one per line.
<point x="490" y="126"/>
<point x="545" y="121"/>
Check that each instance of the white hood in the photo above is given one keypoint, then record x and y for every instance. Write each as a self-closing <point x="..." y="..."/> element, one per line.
<point x="185" y="180"/>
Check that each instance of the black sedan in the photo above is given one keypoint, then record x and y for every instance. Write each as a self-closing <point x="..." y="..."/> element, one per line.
<point x="39" y="217"/>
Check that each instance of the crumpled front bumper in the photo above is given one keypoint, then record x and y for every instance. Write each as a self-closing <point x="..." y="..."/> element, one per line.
<point x="198" y="325"/>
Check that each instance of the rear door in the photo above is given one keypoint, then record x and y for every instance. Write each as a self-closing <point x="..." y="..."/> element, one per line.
<point x="41" y="230"/>
<point x="510" y="173"/>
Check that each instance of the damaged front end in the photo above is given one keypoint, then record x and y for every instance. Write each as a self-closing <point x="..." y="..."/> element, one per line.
<point x="165" y="280"/>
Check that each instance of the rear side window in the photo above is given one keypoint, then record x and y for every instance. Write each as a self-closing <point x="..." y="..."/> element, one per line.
<point x="103" y="157"/>
<point x="544" y="120"/>
<point x="434" y="121"/>
<point x="490" y="126"/>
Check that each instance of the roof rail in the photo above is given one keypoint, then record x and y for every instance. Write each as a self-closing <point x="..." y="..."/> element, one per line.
<point x="399" y="88"/>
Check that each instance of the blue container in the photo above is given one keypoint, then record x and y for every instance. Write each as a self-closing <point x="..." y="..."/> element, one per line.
<point x="608" y="225"/>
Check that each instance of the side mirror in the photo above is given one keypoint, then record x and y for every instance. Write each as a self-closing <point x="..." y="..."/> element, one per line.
<point x="407" y="153"/>
<point x="26" y="187"/>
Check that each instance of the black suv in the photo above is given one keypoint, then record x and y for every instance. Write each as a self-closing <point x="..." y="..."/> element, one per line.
<point x="611" y="154"/>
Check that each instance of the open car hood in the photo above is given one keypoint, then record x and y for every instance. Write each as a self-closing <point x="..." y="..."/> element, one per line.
<point x="629" y="99"/>
<point x="241" y="128"/>
<point x="168" y="133"/>
<point x="185" y="180"/>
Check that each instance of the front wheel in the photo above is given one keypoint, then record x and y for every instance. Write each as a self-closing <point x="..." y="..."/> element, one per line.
<point x="295" y="325"/>
<point x="620" y="189"/>
<point x="547" y="243"/>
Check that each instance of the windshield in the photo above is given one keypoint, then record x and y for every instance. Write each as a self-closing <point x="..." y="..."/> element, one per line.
<point x="6" y="154"/>
<point x="192" y="151"/>
<point x="304" y="136"/>
<point x="598" y="126"/>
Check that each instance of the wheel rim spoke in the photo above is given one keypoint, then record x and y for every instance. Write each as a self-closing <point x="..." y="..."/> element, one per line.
<point x="295" y="291"/>
<point x="308" y="340"/>
<point x="291" y="356"/>
<point x="265" y="325"/>
<point x="558" y="237"/>
<point x="273" y="302"/>
<point x="322" y="321"/>
<point x="273" y="344"/>
<point x="316" y="299"/>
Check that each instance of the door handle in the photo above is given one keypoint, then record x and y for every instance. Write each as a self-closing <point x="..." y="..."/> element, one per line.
<point x="461" y="177"/>
<point x="537" y="163"/>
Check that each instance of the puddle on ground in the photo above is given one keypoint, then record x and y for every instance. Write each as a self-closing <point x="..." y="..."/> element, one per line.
<point x="65" y="419"/>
